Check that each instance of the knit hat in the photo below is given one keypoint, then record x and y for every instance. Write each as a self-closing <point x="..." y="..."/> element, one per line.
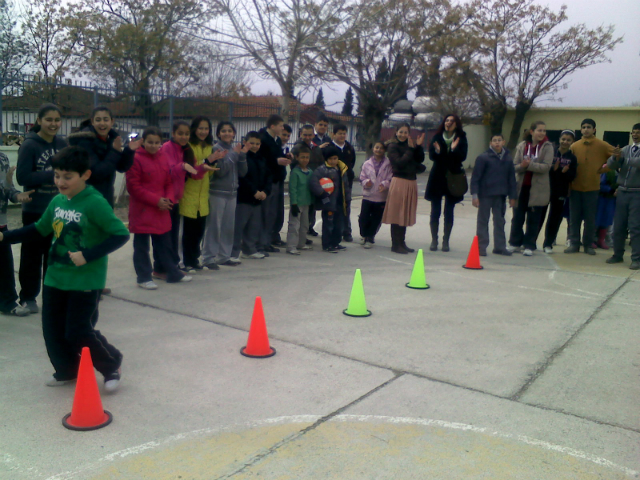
<point x="329" y="151"/>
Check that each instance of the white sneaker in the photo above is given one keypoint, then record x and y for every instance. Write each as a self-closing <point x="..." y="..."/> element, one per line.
<point x="293" y="251"/>
<point x="54" y="382"/>
<point x="148" y="285"/>
<point x="112" y="381"/>
<point x="368" y="245"/>
<point x="548" y="250"/>
<point x="186" y="278"/>
<point x="254" y="256"/>
<point x="235" y="259"/>
<point x="511" y="248"/>
<point x="527" y="252"/>
<point x="306" y="247"/>
<point x="363" y="241"/>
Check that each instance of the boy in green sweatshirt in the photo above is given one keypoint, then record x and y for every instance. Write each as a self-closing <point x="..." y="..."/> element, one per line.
<point x="85" y="230"/>
<point x="300" y="198"/>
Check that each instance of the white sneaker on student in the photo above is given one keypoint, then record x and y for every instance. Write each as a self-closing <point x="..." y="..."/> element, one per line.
<point x="112" y="381"/>
<point x="527" y="252"/>
<point x="548" y="250"/>
<point x="306" y="247"/>
<point x="368" y="245"/>
<point x="148" y="285"/>
<point x="235" y="259"/>
<point x="511" y="248"/>
<point x="293" y="251"/>
<point x="186" y="278"/>
<point x="254" y="256"/>
<point x="54" y="382"/>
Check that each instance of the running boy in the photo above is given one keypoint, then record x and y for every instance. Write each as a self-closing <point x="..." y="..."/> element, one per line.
<point x="85" y="230"/>
<point x="330" y="186"/>
<point x="493" y="179"/>
<point x="300" y="198"/>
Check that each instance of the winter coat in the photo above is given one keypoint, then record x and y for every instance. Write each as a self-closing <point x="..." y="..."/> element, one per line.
<point x="493" y="176"/>
<point x="232" y="167"/>
<point x="539" y="166"/>
<point x="348" y="157"/>
<point x="299" y="192"/>
<point x="338" y="175"/>
<point x="105" y="160"/>
<point x="256" y="178"/>
<point x="560" y="181"/>
<point x="443" y="162"/>
<point x="174" y="154"/>
<point x="271" y="150"/>
<point x="406" y="161"/>
<point x="149" y="180"/>
<point x="34" y="170"/>
<point x="383" y="177"/>
<point x="315" y="160"/>
<point x="195" y="198"/>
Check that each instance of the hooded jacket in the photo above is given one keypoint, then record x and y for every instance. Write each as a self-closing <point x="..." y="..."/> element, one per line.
<point x="338" y="175"/>
<point x="256" y="178"/>
<point x="539" y="167"/>
<point x="629" y="165"/>
<point x="105" y="160"/>
<point x="383" y="177"/>
<point x="34" y="170"/>
<point x="148" y="180"/>
<point x="174" y="155"/>
<point x="232" y="167"/>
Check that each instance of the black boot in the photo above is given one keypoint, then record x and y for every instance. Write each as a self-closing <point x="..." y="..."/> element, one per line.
<point x="445" y="237"/>
<point x="397" y="240"/>
<point x="434" y="237"/>
<point x="402" y="235"/>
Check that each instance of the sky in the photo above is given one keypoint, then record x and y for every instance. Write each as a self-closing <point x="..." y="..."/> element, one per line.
<point x="609" y="84"/>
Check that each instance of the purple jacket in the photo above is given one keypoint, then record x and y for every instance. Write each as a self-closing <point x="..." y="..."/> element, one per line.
<point x="174" y="155"/>
<point x="382" y="178"/>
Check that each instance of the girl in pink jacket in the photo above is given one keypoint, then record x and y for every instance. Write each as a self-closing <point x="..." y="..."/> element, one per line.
<point x="182" y="165"/>
<point x="375" y="178"/>
<point x="151" y="200"/>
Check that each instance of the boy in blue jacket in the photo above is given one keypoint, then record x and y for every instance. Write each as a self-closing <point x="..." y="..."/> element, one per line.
<point x="493" y="179"/>
<point x="330" y="185"/>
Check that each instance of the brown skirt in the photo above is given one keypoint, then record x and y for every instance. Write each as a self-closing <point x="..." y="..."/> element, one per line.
<point x="402" y="203"/>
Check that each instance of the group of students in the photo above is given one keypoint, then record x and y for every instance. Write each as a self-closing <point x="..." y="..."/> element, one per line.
<point x="588" y="181"/>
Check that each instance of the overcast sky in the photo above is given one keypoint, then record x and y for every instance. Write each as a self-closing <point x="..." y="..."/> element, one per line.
<point x="609" y="84"/>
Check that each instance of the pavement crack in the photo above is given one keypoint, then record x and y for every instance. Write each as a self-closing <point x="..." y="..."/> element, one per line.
<point x="542" y="368"/>
<point x="290" y="438"/>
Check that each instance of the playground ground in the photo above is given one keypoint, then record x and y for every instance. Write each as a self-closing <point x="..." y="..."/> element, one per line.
<point x="527" y="369"/>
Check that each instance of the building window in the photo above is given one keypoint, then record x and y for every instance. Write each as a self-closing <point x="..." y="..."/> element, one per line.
<point x="616" y="138"/>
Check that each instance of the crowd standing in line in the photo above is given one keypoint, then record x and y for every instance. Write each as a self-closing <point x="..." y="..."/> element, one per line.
<point x="229" y="197"/>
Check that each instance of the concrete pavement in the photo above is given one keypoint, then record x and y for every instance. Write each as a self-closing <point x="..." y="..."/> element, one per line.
<point x="527" y="369"/>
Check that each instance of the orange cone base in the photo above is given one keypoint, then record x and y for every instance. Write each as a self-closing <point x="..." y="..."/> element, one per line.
<point x="473" y="268"/>
<point x="368" y="314"/>
<point x="273" y="352"/>
<point x="106" y="421"/>
<point x="416" y="288"/>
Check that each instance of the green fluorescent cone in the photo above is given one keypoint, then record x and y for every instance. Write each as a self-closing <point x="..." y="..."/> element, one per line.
<point x="357" y="304"/>
<point x="418" y="280"/>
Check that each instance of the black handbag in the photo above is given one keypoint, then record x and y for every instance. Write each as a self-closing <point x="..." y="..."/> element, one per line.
<point x="457" y="184"/>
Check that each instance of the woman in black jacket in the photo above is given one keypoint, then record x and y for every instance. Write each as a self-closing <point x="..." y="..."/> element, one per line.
<point x="448" y="150"/>
<point x="407" y="161"/>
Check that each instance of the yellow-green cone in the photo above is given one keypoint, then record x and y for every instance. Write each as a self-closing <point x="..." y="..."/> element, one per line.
<point x="357" y="303"/>
<point x="418" y="280"/>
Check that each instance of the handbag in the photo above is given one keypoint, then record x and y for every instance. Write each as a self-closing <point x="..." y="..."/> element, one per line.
<point x="457" y="183"/>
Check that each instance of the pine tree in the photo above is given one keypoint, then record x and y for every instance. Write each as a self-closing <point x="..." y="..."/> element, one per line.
<point x="347" y="108"/>
<point x="320" y="99"/>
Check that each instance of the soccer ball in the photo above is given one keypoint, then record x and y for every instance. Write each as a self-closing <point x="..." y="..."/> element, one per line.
<point x="327" y="185"/>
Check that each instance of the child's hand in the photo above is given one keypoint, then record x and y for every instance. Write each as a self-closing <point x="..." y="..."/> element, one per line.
<point x="325" y="144"/>
<point x="455" y="143"/>
<point x="605" y="168"/>
<point x="283" y="162"/>
<point x="209" y="168"/>
<point x="512" y="203"/>
<point x="135" y="144"/>
<point x="556" y="165"/>
<point x="565" y="169"/>
<point x="24" y="197"/>
<point x="10" y="175"/>
<point x="77" y="258"/>
<point x="165" y="204"/>
<point x="525" y="163"/>
<point x="421" y="137"/>
<point x="381" y="188"/>
<point x="475" y="202"/>
<point x="263" y="196"/>
<point x="117" y="143"/>
<point x="617" y="152"/>
<point x="217" y="155"/>
<point x="188" y="168"/>
<point x="436" y="147"/>
<point x="368" y="184"/>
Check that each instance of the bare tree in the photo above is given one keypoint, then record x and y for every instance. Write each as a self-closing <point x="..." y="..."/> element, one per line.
<point x="13" y="48"/>
<point x="516" y="54"/>
<point x="223" y="77"/>
<point x="380" y="51"/>
<point x="279" y="36"/>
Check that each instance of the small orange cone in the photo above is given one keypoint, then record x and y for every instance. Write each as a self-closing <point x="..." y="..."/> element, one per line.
<point x="473" y="260"/>
<point x="258" y="342"/>
<point x="87" y="412"/>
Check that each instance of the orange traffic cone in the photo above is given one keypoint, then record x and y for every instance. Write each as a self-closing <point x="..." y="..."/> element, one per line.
<point x="87" y="412"/>
<point x="258" y="342"/>
<point x="473" y="260"/>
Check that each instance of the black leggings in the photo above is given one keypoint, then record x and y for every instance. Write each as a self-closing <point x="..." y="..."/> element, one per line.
<point x="436" y="210"/>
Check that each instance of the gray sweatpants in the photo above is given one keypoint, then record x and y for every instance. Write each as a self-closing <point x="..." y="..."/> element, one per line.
<point x="497" y="206"/>
<point x="627" y="218"/>
<point x="218" y="236"/>
<point x="298" y="228"/>
<point x="583" y="206"/>
<point x="248" y="226"/>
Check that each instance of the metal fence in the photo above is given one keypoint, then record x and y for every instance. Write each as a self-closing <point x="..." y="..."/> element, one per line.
<point x="21" y="98"/>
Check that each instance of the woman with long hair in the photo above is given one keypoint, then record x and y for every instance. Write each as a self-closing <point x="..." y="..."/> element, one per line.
<point x="448" y="149"/>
